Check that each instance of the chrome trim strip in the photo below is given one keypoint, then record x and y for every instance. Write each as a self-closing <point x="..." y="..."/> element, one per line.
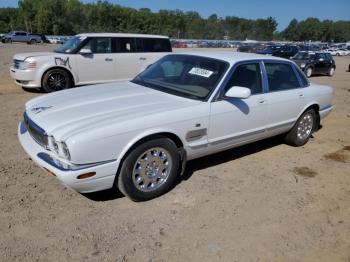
<point x="36" y="132"/>
<point x="68" y="167"/>
<point x="329" y="107"/>
<point x="195" y="134"/>
<point x="280" y="125"/>
<point x="32" y="124"/>
<point x="238" y="137"/>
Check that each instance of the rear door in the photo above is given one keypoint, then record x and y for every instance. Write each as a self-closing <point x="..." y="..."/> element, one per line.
<point x="99" y="65"/>
<point x="152" y="49"/>
<point x="127" y="59"/>
<point x="286" y="95"/>
<point x="320" y="63"/>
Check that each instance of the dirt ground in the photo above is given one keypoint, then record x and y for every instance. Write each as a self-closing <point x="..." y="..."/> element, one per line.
<point x="263" y="202"/>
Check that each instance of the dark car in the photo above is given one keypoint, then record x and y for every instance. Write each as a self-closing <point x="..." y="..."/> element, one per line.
<point x="286" y="51"/>
<point x="268" y="50"/>
<point x="315" y="63"/>
<point x="248" y="47"/>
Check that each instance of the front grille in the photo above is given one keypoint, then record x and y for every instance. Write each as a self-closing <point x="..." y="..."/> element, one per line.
<point x="36" y="132"/>
<point x="16" y="63"/>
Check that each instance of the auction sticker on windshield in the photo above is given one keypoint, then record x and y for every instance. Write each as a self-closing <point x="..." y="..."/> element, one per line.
<point x="200" y="72"/>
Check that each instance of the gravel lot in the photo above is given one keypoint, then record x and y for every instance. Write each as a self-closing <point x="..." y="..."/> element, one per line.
<point x="262" y="202"/>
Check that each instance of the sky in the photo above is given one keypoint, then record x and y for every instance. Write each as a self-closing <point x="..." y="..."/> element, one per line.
<point x="282" y="10"/>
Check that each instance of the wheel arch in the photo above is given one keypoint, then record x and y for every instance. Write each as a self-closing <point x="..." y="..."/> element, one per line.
<point x="57" y="67"/>
<point x="316" y="107"/>
<point x="147" y="137"/>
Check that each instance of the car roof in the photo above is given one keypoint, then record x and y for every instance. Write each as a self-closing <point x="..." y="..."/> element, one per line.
<point x="233" y="57"/>
<point x="121" y="35"/>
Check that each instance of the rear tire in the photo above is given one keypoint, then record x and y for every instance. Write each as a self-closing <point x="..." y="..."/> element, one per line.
<point x="331" y="71"/>
<point x="303" y="129"/>
<point x="56" y="80"/>
<point x="149" y="170"/>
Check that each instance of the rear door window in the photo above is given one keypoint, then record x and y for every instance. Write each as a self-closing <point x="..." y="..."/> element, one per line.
<point x="125" y="45"/>
<point x="281" y="76"/>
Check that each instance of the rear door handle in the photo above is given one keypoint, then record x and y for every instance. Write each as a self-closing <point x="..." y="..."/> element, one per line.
<point x="143" y="58"/>
<point x="262" y="101"/>
<point x="301" y="95"/>
<point x="108" y="59"/>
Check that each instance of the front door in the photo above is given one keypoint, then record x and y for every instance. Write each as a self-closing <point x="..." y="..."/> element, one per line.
<point x="234" y="121"/>
<point x="98" y="65"/>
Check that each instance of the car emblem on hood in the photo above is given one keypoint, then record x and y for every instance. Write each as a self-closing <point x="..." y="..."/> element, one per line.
<point x="37" y="110"/>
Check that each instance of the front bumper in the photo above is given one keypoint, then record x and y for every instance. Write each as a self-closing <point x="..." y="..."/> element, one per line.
<point x="25" y="78"/>
<point x="68" y="173"/>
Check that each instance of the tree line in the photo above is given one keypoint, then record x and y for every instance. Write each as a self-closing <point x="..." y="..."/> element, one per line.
<point x="70" y="17"/>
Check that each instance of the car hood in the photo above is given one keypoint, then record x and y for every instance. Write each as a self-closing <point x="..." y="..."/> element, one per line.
<point x="69" y="112"/>
<point x="23" y="56"/>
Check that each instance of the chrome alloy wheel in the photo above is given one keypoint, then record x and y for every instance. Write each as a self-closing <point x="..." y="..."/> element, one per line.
<point x="305" y="126"/>
<point x="309" y="72"/>
<point x="56" y="81"/>
<point x="152" y="169"/>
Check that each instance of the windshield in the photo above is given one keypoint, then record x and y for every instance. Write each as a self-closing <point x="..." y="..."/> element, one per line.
<point x="71" y="45"/>
<point x="303" y="56"/>
<point x="189" y="76"/>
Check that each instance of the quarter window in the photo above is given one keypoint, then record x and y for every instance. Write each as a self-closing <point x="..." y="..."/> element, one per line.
<point x="247" y="75"/>
<point x="281" y="76"/>
<point x="156" y="45"/>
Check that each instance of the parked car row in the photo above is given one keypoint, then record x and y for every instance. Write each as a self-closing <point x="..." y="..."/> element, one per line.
<point x="21" y="36"/>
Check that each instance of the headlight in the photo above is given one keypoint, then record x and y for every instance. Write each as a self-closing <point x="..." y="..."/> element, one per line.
<point x="24" y="65"/>
<point x="65" y="150"/>
<point x="60" y="148"/>
<point x="302" y="65"/>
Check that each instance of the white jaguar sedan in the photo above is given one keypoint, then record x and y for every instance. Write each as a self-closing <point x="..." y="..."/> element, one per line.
<point x="137" y="135"/>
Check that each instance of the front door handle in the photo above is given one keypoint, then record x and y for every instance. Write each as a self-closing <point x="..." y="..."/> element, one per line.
<point x="108" y="59"/>
<point x="301" y="95"/>
<point x="262" y="101"/>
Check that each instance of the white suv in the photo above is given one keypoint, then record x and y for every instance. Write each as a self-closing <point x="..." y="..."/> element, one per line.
<point x="89" y="59"/>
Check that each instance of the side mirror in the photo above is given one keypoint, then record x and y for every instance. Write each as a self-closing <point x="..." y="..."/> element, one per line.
<point x="238" y="92"/>
<point x="85" y="51"/>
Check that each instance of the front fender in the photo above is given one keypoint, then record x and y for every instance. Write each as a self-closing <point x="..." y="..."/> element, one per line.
<point x="47" y="65"/>
<point x="143" y="135"/>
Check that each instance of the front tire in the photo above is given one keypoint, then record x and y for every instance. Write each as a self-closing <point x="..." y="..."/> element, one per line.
<point x="301" y="132"/>
<point x="149" y="170"/>
<point x="55" y="80"/>
<point x="308" y="72"/>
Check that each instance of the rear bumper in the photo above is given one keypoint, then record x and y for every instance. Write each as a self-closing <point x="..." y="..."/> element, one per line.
<point x="325" y="111"/>
<point x="25" y="78"/>
<point x="66" y="172"/>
